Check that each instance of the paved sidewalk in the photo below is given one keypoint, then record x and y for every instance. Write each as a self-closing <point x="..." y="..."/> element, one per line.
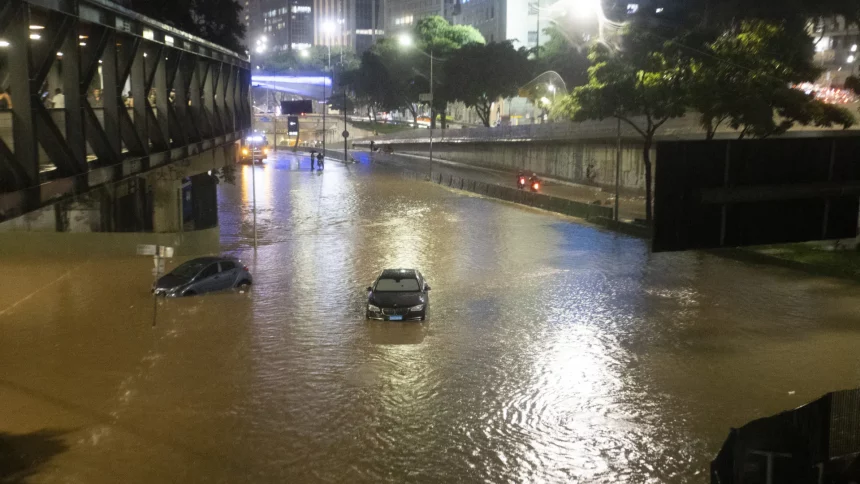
<point x="630" y="208"/>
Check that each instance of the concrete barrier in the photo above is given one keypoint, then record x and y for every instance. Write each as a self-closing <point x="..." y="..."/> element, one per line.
<point x="627" y="228"/>
<point x="523" y="197"/>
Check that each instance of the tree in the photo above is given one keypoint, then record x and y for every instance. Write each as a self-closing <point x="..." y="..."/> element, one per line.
<point x="214" y="20"/>
<point x="563" y="55"/>
<point x="373" y="84"/>
<point x="436" y="37"/>
<point x="640" y="85"/>
<point x="482" y="73"/>
<point x="745" y="81"/>
<point x="311" y="60"/>
<point x="436" y="34"/>
<point x="403" y="81"/>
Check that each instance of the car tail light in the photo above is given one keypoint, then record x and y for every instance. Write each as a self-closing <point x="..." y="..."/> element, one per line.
<point x="245" y="267"/>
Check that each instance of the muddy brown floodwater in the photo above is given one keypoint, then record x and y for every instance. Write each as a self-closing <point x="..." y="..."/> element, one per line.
<point x="554" y="351"/>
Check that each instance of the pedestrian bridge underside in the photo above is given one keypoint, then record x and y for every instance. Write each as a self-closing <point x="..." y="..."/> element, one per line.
<point x="93" y="94"/>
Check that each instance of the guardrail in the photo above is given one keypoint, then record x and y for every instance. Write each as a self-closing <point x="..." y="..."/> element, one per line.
<point x="684" y="128"/>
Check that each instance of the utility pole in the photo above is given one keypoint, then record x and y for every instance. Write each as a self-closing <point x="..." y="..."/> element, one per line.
<point x="345" y="132"/>
<point x="342" y="69"/>
<point x="617" y="167"/>
<point x="432" y="112"/>
<point x="325" y="103"/>
<point x="537" y="51"/>
<point x="253" y="171"/>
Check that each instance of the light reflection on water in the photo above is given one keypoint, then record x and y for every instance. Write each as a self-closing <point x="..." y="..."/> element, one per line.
<point x="554" y="352"/>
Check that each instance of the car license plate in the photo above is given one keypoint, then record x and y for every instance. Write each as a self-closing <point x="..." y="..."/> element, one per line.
<point x="395" y="318"/>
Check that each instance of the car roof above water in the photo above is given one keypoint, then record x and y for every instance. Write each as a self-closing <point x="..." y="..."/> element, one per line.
<point x="210" y="258"/>
<point x="399" y="274"/>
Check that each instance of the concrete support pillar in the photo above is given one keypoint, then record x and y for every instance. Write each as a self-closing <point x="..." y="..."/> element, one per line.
<point x="167" y="206"/>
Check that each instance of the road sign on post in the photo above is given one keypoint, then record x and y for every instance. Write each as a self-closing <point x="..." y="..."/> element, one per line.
<point x="425" y="97"/>
<point x="345" y="134"/>
<point x="158" y="270"/>
<point x="146" y="249"/>
<point x="158" y="253"/>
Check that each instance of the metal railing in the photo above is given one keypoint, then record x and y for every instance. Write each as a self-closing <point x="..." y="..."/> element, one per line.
<point x="684" y="128"/>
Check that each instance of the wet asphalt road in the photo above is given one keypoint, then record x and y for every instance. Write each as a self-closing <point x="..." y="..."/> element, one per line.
<point x="554" y="351"/>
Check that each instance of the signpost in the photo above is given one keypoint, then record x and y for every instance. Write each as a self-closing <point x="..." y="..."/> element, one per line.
<point x="158" y="253"/>
<point x="425" y="97"/>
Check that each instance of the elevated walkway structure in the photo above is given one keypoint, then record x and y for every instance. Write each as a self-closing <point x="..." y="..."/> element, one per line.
<point x="93" y="94"/>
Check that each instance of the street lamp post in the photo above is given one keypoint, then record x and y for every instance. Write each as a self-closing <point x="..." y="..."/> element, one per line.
<point x="617" y="168"/>
<point x="328" y="27"/>
<point x="253" y="171"/>
<point x="342" y="68"/>
<point x="406" y="41"/>
<point x="432" y="113"/>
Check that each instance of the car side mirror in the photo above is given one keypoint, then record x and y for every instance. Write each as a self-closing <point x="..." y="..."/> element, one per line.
<point x="426" y="287"/>
<point x="369" y="288"/>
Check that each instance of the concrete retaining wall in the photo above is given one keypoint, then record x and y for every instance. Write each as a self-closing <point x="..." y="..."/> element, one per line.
<point x="561" y="160"/>
<point x="525" y="197"/>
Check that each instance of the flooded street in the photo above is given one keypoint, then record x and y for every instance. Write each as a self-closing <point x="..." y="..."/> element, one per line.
<point x="553" y="351"/>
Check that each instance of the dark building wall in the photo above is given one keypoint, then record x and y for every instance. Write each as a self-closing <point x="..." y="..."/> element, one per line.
<point x="287" y="25"/>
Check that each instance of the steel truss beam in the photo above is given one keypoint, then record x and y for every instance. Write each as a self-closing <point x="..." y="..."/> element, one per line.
<point x="183" y="91"/>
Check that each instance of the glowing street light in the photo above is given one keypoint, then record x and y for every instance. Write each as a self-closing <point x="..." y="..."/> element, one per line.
<point x="304" y="53"/>
<point x="328" y="27"/>
<point x="585" y="8"/>
<point x="405" y="41"/>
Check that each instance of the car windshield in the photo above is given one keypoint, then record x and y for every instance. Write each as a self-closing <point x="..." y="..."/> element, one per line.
<point x="189" y="269"/>
<point x="397" y="285"/>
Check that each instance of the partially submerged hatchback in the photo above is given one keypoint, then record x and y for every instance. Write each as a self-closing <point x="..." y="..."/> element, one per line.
<point x="201" y="275"/>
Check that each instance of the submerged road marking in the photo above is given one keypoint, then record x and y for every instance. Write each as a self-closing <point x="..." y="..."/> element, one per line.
<point x="28" y="296"/>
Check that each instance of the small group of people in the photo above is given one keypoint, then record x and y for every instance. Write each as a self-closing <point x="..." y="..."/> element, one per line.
<point x="522" y="178"/>
<point x="318" y="160"/>
<point x="57" y="101"/>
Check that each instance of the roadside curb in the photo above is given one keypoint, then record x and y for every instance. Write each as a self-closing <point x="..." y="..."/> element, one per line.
<point x="750" y="255"/>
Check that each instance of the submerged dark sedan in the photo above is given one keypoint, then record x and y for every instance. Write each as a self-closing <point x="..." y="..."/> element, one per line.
<point x="398" y="295"/>
<point x="204" y="274"/>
